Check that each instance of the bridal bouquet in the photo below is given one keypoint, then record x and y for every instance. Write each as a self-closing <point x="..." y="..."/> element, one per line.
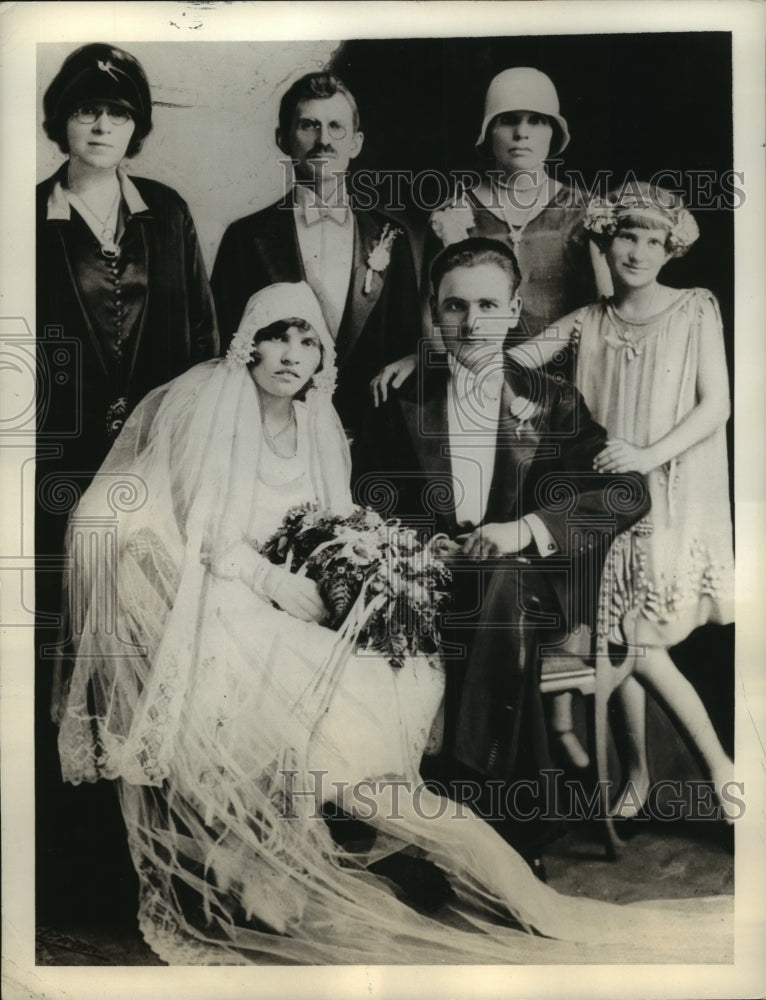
<point x="393" y="583"/>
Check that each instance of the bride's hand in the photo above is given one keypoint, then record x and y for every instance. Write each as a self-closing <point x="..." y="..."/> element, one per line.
<point x="297" y="595"/>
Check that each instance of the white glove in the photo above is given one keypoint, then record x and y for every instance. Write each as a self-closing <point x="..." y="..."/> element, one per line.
<point x="295" y="594"/>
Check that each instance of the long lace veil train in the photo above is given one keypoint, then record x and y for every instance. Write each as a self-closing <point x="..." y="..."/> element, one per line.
<point x="199" y="697"/>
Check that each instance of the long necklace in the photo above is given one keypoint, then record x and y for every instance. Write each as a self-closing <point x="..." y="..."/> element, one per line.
<point x="516" y="229"/>
<point x="624" y="336"/>
<point x="108" y="225"/>
<point x="271" y="439"/>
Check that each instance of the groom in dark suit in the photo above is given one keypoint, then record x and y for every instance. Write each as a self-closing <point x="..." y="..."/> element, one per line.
<point x="500" y="459"/>
<point x="359" y="263"/>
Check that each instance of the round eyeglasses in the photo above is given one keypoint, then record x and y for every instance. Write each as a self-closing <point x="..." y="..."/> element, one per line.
<point x="87" y="114"/>
<point x="307" y="126"/>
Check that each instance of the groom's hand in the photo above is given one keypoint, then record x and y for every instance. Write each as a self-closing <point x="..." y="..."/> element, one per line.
<point x="297" y="595"/>
<point x="496" y="540"/>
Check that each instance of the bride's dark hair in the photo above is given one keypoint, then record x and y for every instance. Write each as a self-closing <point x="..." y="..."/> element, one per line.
<point x="275" y="330"/>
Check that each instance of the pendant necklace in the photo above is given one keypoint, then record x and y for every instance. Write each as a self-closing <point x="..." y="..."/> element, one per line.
<point x="109" y="246"/>
<point x="623" y="338"/>
<point x="271" y="439"/>
<point x="516" y="230"/>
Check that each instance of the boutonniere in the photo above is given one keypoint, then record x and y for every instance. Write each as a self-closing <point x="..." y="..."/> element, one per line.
<point x="379" y="257"/>
<point x="525" y="411"/>
<point x="451" y="223"/>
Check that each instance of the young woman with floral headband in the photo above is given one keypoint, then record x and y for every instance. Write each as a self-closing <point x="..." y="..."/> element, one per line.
<point x="651" y="365"/>
<point x="207" y="686"/>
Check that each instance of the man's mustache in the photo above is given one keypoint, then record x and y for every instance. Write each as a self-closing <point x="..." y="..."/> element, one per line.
<point x="320" y="150"/>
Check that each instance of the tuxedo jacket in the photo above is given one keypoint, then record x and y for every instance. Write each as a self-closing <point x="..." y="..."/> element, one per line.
<point x="377" y="327"/>
<point x="543" y="466"/>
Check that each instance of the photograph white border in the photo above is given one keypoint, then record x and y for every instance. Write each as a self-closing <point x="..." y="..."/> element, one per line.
<point x="22" y="27"/>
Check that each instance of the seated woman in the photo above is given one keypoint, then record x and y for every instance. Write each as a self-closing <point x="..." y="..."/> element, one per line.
<point x="206" y="684"/>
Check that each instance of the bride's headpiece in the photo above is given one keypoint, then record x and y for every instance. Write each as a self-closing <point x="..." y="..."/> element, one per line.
<point x="284" y="301"/>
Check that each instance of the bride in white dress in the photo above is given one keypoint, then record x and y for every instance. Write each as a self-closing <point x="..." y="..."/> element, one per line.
<point x="206" y="685"/>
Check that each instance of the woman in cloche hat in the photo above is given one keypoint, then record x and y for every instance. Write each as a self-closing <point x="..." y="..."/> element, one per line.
<point x="519" y="203"/>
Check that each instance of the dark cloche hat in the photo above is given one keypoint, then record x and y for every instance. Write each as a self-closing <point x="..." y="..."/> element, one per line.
<point x="100" y="72"/>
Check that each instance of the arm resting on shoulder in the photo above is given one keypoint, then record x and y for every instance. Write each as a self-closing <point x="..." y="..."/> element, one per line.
<point x="540" y="350"/>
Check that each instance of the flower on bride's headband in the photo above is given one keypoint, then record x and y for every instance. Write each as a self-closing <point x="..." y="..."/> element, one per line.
<point x="326" y="379"/>
<point x="379" y="257"/>
<point x="646" y="206"/>
<point x="241" y="349"/>
<point x="452" y="223"/>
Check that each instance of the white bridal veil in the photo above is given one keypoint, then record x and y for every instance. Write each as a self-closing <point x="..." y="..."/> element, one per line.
<point x="216" y="712"/>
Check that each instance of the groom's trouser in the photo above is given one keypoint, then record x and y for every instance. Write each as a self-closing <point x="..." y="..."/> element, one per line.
<point x="496" y="752"/>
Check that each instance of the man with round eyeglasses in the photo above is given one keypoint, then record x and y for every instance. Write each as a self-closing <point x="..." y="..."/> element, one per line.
<point x="359" y="263"/>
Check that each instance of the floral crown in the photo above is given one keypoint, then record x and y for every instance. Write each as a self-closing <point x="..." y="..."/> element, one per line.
<point x="279" y="302"/>
<point x="603" y="216"/>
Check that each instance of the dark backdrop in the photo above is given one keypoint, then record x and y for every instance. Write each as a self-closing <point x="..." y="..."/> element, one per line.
<point x="643" y="103"/>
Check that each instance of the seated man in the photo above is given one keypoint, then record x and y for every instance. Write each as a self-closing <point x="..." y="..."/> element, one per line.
<point x="501" y="461"/>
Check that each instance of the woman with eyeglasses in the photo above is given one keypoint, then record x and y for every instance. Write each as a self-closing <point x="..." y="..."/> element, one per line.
<point x="119" y="268"/>
<point x="123" y="301"/>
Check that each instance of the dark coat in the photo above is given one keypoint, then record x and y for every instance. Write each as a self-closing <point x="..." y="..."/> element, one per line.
<point x="377" y="327"/>
<point x="177" y="328"/>
<point x="77" y="383"/>
<point x="504" y="607"/>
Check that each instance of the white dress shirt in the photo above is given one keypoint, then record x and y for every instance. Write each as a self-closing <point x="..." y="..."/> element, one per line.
<point x="473" y="413"/>
<point x="326" y="242"/>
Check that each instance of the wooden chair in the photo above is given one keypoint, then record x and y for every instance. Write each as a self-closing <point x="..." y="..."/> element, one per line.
<point x="583" y="662"/>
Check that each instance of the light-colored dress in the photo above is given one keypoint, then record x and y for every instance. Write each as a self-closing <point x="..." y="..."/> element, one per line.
<point x="639" y="381"/>
<point x="227" y="723"/>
